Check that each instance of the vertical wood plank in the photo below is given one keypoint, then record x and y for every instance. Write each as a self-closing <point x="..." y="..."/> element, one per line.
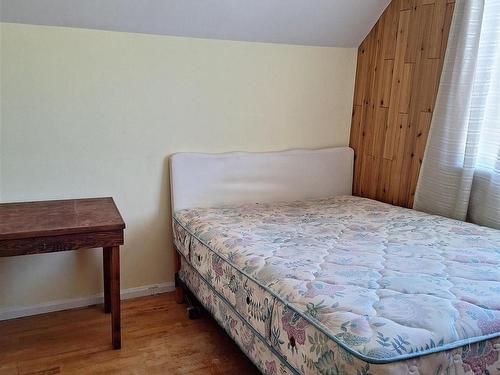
<point x="450" y="7"/>
<point x="361" y="73"/>
<point x="404" y="102"/>
<point x="406" y="4"/>
<point x="421" y="17"/>
<point x="384" y="92"/>
<point x="429" y="77"/>
<point x="423" y="126"/>
<point x="355" y="141"/>
<point x="383" y="185"/>
<point x="380" y="132"/>
<point x="389" y="24"/>
<point x="367" y="185"/>
<point x="370" y="105"/>
<point x="397" y="82"/>
<point x="397" y="163"/>
<point x="437" y="30"/>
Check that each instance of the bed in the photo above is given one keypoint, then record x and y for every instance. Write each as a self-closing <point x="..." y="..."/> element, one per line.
<point x="308" y="279"/>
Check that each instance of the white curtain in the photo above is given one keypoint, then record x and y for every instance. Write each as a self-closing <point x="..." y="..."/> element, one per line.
<point x="460" y="174"/>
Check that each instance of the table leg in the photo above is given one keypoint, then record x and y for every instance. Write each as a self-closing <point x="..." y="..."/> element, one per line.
<point x="106" y="266"/>
<point x="115" y="297"/>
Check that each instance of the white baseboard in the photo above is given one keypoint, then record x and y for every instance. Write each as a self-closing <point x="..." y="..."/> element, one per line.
<point x="66" y="304"/>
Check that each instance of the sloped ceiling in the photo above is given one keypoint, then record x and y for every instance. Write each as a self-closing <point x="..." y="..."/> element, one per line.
<point x="334" y="23"/>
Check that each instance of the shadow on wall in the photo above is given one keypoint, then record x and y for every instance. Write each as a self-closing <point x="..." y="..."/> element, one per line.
<point x="150" y="236"/>
<point x="165" y="209"/>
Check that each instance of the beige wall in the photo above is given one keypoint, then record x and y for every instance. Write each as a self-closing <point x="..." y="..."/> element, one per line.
<point x="96" y="113"/>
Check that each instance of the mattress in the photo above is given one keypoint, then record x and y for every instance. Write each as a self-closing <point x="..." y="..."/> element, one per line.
<point x="354" y="286"/>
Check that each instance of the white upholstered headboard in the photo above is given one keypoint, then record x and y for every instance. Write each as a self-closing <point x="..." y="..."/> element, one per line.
<point x="211" y="180"/>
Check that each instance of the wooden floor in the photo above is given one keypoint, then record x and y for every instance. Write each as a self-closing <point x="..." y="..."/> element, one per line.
<point x="157" y="338"/>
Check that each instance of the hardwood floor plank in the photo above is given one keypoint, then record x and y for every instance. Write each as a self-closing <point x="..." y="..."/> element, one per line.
<point x="158" y="338"/>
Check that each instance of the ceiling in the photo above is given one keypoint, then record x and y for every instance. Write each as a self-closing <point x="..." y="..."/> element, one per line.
<point x="334" y="23"/>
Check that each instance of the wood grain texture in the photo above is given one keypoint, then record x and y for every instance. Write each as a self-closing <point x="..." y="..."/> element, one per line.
<point x="52" y="244"/>
<point x="397" y="79"/>
<point x="158" y="338"/>
<point x="58" y="217"/>
<point x="53" y="226"/>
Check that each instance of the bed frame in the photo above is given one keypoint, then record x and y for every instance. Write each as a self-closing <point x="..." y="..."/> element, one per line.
<point x="214" y="180"/>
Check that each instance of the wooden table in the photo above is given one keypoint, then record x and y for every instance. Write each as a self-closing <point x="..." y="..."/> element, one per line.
<point x="53" y="226"/>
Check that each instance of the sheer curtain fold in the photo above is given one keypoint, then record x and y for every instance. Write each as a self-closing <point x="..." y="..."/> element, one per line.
<point x="460" y="174"/>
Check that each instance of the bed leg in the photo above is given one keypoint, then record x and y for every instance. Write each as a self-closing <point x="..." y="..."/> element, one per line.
<point x="194" y="309"/>
<point x="179" y="287"/>
<point x="179" y="290"/>
<point x="194" y="312"/>
<point x="182" y="293"/>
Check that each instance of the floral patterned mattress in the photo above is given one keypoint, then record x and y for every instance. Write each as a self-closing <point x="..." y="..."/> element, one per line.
<point x="348" y="281"/>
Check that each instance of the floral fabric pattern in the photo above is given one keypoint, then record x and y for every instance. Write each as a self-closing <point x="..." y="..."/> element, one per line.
<point x="336" y="285"/>
<point x="254" y="347"/>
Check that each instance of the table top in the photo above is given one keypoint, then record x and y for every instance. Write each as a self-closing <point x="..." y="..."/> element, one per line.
<point x="58" y="217"/>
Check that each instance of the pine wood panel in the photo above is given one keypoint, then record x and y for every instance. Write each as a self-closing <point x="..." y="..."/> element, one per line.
<point x="158" y="338"/>
<point x="397" y="79"/>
